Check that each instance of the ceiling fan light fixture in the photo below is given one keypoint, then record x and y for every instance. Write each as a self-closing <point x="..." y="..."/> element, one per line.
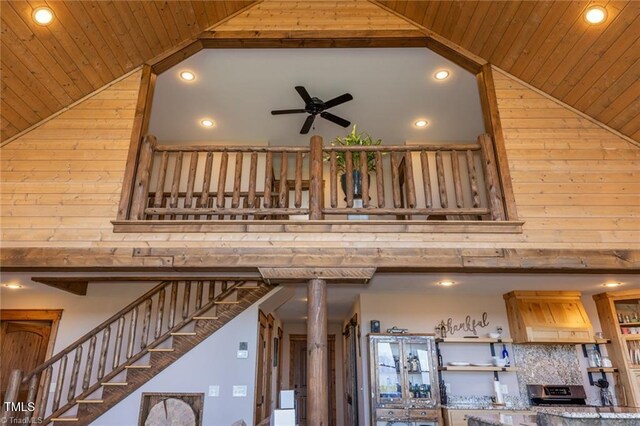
<point x="421" y="123"/>
<point x="595" y="15"/>
<point x="441" y="75"/>
<point x="207" y="123"/>
<point x="42" y="15"/>
<point x="187" y="75"/>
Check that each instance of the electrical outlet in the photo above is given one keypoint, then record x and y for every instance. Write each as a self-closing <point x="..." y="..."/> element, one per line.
<point x="447" y="388"/>
<point x="504" y="389"/>
<point x="239" y="391"/>
<point x="214" y="390"/>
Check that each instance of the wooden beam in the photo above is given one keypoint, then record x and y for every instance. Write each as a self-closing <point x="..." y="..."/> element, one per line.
<point x="343" y="275"/>
<point x="73" y="285"/>
<point x="317" y="374"/>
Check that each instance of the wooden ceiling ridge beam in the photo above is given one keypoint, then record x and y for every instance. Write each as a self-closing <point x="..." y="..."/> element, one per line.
<point x="569" y="107"/>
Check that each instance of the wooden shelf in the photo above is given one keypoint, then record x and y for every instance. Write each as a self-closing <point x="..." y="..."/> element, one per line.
<point x="629" y="324"/>
<point x="472" y="368"/>
<point x="602" y="341"/>
<point x="473" y="340"/>
<point x="631" y="336"/>
<point x="602" y="370"/>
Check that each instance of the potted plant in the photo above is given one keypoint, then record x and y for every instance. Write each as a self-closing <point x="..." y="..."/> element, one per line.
<point x="354" y="139"/>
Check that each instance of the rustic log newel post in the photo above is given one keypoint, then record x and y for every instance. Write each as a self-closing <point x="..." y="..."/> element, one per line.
<point x="15" y="380"/>
<point x="317" y="366"/>
<point x="491" y="177"/>
<point x="141" y="188"/>
<point x="315" y="179"/>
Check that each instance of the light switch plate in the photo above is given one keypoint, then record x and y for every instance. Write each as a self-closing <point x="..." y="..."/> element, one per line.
<point x="243" y="354"/>
<point x="52" y="387"/>
<point x="504" y="389"/>
<point x="447" y="388"/>
<point x="239" y="391"/>
<point x="214" y="390"/>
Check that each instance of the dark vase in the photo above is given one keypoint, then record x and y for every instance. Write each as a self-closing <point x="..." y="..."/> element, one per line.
<point x="357" y="184"/>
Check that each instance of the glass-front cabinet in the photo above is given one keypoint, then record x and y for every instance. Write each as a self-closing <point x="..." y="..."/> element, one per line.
<point x="404" y="380"/>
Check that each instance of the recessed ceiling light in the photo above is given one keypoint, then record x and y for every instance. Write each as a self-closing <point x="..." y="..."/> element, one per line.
<point x="446" y="283"/>
<point x="595" y="15"/>
<point x="206" y="122"/>
<point x="441" y="75"/>
<point x="43" y="15"/>
<point x="13" y="286"/>
<point x="612" y="284"/>
<point x="421" y="123"/>
<point x="187" y="75"/>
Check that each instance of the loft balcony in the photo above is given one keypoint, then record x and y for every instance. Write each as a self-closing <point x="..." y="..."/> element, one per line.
<point x="392" y="188"/>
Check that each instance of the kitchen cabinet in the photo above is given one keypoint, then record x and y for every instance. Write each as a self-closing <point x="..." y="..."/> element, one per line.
<point x="454" y="417"/>
<point x="619" y="314"/>
<point x="404" y="380"/>
<point x="547" y="317"/>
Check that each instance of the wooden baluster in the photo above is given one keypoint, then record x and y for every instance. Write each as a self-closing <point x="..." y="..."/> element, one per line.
<point x="237" y="180"/>
<point x="473" y="180"/>
<point x="333" y="176"/>
<point x="253" y="173"/>
<point x="186" y="299"/>
<point x="410" y="183"/>
<point x="426" y="178"/>
<point x="104" y="349"/>
<point x="162" y="175"/>
<point x="172" y="305"/>
<point x="222" y="182"/>
<point x="118" y="348"/>
<point x="444" y="203"/>
<point x="32" y="393"/>
<point x="212" y="290"/>
<point x="191" y="181"/>
<point x="146" y="323"/>
<point x="74" y="374"/>
<point x="132" y="331"/>
<point x="223" y="286"/>
<point x="395" y="180"/>
<point x="199" y="291"/>
<point x="160" y="314"/>
<point x="348" y="162"/>
<point x="364" y="171"/>
<point x="492" y="178"/>
<point x="284" y="187"/>
<point x="59" y="383"/>
<point x="11" y="395"/>
<point x="298" y="186"/>
<point x="43" y="393"/>
<point x="316" y="195"/>
<point x="379" y="178"/>
<point x="457" y="180"/>
<point x="268" y="180"/>
<point x="175" y="185"/>
<point x="88" y="368"/>
<point x="141" y="189"/>
<point x="206" y="183"/>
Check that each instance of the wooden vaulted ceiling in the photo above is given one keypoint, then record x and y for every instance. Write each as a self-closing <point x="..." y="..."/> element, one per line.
<point x="548" y="44"/>
<point x="595" y="69"/>
<point x="89" y="44"/>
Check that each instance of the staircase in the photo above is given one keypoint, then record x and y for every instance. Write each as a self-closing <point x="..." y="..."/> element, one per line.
<point x="103" y="371"/>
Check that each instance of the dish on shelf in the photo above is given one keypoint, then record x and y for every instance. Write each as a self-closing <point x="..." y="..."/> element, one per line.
<point x="481" y="364"/>
<point x="459" y="364"/>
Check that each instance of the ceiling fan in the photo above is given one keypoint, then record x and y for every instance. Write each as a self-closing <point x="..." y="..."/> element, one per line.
<point x="314" y="106"/>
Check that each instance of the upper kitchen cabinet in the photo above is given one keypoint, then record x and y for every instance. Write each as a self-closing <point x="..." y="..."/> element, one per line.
<point x="547" y="317"/>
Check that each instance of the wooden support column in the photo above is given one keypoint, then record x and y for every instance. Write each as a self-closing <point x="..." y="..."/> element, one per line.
<point x="317" y="353"/>
<point x="315" y="179"/>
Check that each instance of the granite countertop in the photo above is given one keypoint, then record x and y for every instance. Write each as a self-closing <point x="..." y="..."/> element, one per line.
<point x="614" y="416"/>
<point x="490" y="407"/>
<point x="502" y="420"/>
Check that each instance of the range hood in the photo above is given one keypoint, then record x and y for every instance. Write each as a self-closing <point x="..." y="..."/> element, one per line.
<point x="548" y="317"/>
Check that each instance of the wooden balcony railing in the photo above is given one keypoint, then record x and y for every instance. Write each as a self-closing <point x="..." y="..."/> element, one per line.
<point x="104" y="353"/>
<point x="457" y="181"/>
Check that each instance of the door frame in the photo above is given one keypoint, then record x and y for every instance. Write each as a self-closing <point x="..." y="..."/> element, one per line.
<point x="331" y="347"/>
<point x="53" y="315"/>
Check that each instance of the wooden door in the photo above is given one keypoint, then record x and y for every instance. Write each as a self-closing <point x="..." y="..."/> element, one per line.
<point x="298" y="376"/>
<point x="351" y="372"/>
<point x="24" y="346"/>
<point x="264" y="367"/>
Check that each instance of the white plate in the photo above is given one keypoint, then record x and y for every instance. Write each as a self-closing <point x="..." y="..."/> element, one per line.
<point x="459" y="364"/>
<point x="481" y="364"/>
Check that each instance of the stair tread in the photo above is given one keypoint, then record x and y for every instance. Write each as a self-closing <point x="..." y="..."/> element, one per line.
<point x="160" y="349"/>
<point x="114" y="383"/>
<point x="90" y="401"/>
<point x="184" y="333"/>
<point x="206" y="318"/>
<point x="254" y="287"/>
<point x="137" y="366"/>
<point x="224" y="302"/>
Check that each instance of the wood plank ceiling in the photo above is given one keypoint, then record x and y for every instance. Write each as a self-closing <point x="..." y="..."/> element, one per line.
<point x="548" y="44"/>
<point x="88" y="44"/>
<point x="595" y="69"/>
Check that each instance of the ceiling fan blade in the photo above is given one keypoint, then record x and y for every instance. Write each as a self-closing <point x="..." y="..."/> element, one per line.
<point x="307" y="124"/>
<point x="287" y="111"/>
<point x="304" y="94"/>
<point x="337" y="101"/>
<point x="335" y="119"/>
